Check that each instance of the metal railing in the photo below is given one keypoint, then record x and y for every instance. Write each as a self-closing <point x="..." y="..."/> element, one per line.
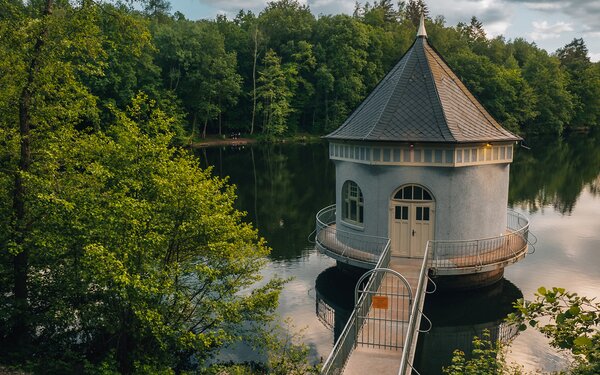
<point x="347" y="341"/>
<point x="344" y="245"/>
<point x="410" y="342"/>
<point x="468" y="256"/>
<point x="383" y="325"/>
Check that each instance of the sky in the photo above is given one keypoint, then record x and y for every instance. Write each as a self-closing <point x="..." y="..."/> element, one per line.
<point x="549" y="23"/>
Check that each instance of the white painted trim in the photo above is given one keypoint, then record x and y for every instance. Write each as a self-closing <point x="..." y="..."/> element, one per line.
<point x="426" y="155"/>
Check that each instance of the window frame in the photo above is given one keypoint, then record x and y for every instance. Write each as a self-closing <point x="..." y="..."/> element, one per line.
<point x="353" y="204"/>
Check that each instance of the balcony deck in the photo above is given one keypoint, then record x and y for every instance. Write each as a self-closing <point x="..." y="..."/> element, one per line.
<point x="447" y="257"/>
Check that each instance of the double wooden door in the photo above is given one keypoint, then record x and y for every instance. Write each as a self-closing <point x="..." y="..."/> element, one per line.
<point x="411" y="226"/>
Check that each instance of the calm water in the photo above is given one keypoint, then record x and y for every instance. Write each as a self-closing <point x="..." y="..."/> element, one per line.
<point x="555" y="183"/>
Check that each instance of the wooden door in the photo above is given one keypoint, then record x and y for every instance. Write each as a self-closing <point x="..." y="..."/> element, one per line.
<point x="421" y="227"/>
<point x="400" y="230"/>
<point x="411" y="228"/>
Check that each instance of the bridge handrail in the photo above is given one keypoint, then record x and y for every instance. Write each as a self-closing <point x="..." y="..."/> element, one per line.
<point x="410" y="341"/>
<point x="347" y="340"/>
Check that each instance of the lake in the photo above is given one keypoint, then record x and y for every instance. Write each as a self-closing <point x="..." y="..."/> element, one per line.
<point x="556" y="183"/>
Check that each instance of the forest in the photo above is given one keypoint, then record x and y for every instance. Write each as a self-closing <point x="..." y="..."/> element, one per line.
<point x="286" y="71"/>
<point x="118" y="252"/>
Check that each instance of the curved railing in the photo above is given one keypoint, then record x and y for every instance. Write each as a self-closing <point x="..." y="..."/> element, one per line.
<point x="484" y="254"/>
<point x="448" y="257"/>
<point x="346" y="246"/>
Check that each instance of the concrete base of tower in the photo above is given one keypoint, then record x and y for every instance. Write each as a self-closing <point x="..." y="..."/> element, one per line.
<point x="350" y="269"/>
<point x="468" y="282"/>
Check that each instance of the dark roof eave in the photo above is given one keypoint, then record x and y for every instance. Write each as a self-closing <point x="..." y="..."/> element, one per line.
<point x="422" y="140"/>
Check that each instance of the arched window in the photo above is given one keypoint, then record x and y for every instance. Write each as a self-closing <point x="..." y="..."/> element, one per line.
<point x="413" y="193"/>
<point x="352" y="203"/>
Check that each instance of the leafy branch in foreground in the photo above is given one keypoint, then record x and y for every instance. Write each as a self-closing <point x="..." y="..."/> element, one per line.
<point x="570" y="321"/>
<point x="486" y="358"/>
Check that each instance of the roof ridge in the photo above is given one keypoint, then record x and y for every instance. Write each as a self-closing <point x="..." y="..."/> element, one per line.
<point x="406" y="57"/>
<point x="437" y="93"/>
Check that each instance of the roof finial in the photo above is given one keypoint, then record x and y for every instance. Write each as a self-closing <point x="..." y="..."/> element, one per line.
<point x="422" y="31"/>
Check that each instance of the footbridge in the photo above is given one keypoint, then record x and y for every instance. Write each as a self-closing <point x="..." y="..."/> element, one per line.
<point x="382" y="331"/>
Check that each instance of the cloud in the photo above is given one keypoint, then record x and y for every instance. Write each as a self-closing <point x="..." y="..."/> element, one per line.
<point x="543" y="30"/>
<point x="545" y="6"/>
<point x="585" y="12"/>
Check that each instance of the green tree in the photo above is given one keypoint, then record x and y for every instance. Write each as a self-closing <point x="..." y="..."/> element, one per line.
<point x="197" y="67"/>
<point x="414" y="9"/>
<point x="117" y="251"/>
<point x="584" y="83"/>
<point x="342" y="43"/>
<point x="570" y="321"/>
<point x="274" y="95"/>
<point x="554" y="102"/>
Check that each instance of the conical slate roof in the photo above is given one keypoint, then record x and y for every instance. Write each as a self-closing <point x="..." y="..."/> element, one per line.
<point x="421" y="100"/>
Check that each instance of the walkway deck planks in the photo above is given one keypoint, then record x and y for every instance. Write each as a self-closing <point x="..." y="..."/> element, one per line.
<point x="366" y="359"/>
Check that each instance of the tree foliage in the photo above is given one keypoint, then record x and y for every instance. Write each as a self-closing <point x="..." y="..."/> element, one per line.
<point x="570" y="321"/>
<point x="118" y="252"/>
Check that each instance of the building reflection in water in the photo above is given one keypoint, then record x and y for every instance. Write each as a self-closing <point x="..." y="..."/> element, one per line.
<point x="335" y="298"/>
<point x="457" y="317"/>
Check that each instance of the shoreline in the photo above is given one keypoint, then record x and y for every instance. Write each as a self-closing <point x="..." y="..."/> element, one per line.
<point x="223" y="142"/>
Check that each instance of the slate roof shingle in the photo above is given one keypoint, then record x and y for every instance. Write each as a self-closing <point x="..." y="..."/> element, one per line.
<point x="421" y="100"/>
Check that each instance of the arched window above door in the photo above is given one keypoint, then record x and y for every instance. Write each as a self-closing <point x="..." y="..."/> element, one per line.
<point x="413" y="193"/>
<point x="352" y="203"/>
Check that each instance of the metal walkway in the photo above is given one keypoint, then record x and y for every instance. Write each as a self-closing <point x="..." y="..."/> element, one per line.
<point x="381" y="334"/>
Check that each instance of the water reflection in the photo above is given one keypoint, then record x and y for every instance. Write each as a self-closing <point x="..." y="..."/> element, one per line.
<point x="280" y="186"/>
<point x="556" y="183"/>
<point x="335" y="298"/>
<point x="459" y="316"/>
<point x="554" y="172"/>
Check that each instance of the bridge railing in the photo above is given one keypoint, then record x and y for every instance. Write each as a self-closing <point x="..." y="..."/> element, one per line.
<point x="347" y="340"/>
<point x="413" y="329"/>
<point x="344" y="245"/>
<point x="466" y="256"/>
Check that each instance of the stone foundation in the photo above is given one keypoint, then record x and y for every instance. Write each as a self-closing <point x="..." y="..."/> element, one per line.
<point x="468" y="282"/>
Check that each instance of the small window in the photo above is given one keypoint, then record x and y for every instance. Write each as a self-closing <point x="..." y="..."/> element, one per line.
<point x="425" y="213"/>
<point x="449" y="156"/>
<point x="459" y="156"/>
<point x="419" y="213"/>
<point x="417" y="193"/>
<point x="386" y="154"/>
<point x="417" y="155"/>
<point x="438" y="156"/>
<point x="427" y="155"/>
<point x="413" y="193"/>
<point x="396" y="155"/>
<point x="352" y="203"/>
<point x="509" y="153"/>
<point x="502" y="153"/>
<point x="401" y="212"/>
<point x="406" y="153"/>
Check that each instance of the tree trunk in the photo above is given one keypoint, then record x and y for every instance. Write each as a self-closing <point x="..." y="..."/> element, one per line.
<point x="20" y="329"/>
<point x="220" y="116"/>
<point x="254" y="79"/>
<point x="205" y="125"/>
<point x="193" y="128"/>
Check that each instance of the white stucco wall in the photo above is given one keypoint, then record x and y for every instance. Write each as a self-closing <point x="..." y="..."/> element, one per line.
<point x="471" y="202"/>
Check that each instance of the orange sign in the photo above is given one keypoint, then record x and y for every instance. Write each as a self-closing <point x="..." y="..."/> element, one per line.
<point x="380" y="302"/>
